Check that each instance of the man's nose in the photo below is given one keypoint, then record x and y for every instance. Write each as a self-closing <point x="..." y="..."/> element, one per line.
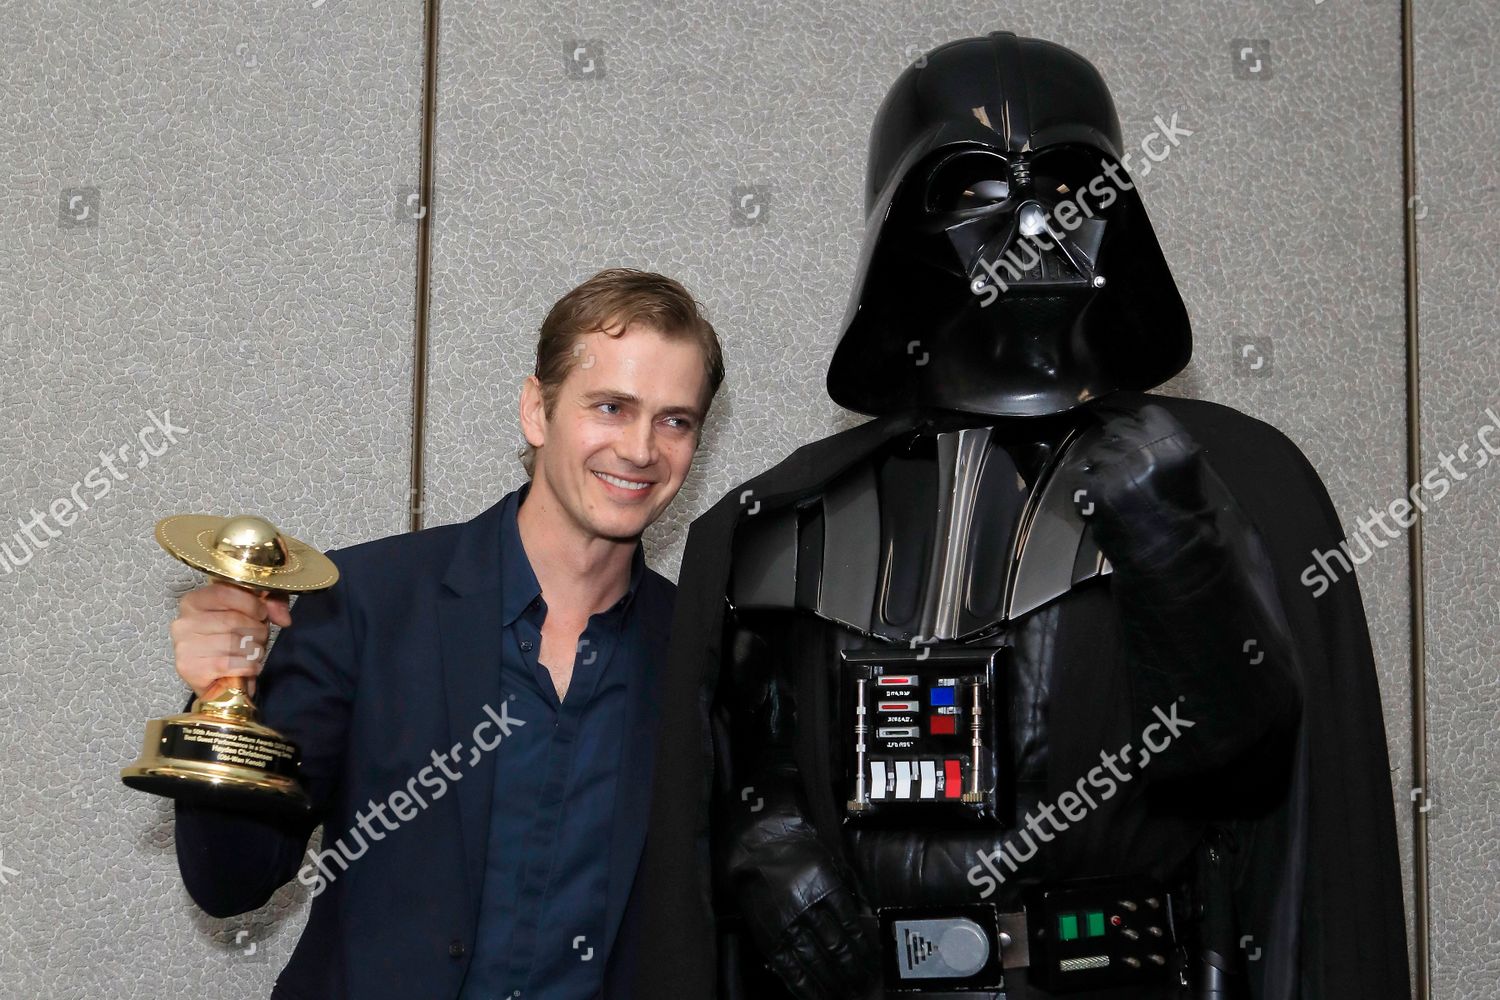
<point x="637" y="445"/>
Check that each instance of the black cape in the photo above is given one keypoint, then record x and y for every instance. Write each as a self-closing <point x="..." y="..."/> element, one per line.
<point x="1323" y="865"/>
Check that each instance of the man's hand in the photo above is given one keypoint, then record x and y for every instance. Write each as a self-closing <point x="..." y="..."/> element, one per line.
<point x="221" y="631"/>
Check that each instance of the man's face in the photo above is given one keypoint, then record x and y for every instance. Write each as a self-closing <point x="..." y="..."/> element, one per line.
<point x="621" y="436"/>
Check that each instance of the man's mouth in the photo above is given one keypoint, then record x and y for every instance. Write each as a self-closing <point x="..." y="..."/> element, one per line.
<point x="624" y="484"/>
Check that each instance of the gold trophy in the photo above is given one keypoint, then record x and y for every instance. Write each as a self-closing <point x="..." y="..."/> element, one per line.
<point x="217" y="753"/>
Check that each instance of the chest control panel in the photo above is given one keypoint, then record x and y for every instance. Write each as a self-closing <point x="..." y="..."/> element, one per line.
<point x="922" y="729"/>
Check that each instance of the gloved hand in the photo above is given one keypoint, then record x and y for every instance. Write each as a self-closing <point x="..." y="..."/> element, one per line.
<point x="797" y="898"/>
<point x="1145" y="478"/>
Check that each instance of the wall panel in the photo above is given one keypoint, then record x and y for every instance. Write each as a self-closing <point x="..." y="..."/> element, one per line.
<point x="1458" y="126"/>
<point x="235" y="264"/>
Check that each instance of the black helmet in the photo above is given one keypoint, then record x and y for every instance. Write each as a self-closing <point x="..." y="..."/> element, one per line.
<point x="978" y="289"/>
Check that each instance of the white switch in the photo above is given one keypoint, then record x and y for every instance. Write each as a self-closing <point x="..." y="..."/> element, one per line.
<point x="903" y="779"/>
<point x="877" y="779"/>
<point x="929" y="779"/>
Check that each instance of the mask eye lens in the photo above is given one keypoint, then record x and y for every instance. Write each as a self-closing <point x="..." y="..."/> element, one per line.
<point x="991" y="190"/>
<point x="966" y="181"/>
<point x="1065" y="172"/>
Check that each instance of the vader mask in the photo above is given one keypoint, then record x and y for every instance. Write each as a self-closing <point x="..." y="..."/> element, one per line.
<point x="1009" y="267"/>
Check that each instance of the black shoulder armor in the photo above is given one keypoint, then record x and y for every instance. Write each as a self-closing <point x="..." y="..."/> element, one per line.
<point x="937" y="537"/>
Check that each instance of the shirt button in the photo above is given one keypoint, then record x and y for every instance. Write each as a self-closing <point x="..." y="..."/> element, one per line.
<point x="456" y="949"/>
<point x="525" y="645"/>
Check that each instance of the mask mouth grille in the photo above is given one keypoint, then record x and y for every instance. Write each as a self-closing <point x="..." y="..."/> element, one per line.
<point x="1037" y="254"/>
<point x="1022" y="223"/>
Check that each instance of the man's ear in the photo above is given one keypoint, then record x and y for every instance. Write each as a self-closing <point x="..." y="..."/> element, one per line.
<point x="533" y="412"/>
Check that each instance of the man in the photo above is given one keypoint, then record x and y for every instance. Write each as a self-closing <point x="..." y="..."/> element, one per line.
<point x="474" y="702"/>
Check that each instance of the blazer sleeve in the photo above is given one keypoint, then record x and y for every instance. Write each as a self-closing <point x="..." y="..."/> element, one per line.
<point x="231" y="862"/>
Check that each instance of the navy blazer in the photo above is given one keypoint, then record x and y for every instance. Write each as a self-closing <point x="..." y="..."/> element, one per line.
<point x="392" y="665"/>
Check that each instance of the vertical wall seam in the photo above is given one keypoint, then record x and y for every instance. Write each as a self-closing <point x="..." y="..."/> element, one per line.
<point x="416" y="493"/>
<point x="1416" y="576"/>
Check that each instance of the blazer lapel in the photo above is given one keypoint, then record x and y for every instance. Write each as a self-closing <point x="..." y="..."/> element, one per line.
<point x="633" y="795"/>
<point x="469" y="635"/>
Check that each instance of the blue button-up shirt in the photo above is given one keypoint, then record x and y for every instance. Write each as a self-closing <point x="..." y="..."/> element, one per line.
<point x="541" y="913"/>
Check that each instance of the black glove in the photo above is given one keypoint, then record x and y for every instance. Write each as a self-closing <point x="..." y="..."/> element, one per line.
<point x="796" y="896"/>
<point x="1145" y="480"/>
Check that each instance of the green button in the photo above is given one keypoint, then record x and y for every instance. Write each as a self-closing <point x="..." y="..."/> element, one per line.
<point x="1067" y="926"/>
<point x="1095" y="921"/>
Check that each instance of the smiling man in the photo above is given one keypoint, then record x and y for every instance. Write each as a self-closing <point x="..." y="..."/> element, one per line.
<point x="510" y="660"/>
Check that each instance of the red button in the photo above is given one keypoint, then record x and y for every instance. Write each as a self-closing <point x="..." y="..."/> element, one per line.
<point x="953" y="779"/>
<point x="943" y="725"/>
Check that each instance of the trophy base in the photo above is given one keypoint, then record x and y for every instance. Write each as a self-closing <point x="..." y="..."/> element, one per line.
<point x="227" y="762"/>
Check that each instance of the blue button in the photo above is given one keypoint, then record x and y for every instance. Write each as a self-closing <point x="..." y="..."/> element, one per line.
<point x="942" y="696"/>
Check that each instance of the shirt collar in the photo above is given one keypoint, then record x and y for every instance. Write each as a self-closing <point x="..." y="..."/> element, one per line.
<point x="519" y="586"/>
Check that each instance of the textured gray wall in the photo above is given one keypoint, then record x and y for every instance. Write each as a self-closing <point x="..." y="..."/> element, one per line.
<point x="250" y="271"/>
<point x="1458" y="107"/>
<point x="242" y="269"/>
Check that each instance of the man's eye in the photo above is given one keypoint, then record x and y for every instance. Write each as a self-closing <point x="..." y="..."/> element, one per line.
<point x="609" y="408"/>
<point x="681" y="423"/>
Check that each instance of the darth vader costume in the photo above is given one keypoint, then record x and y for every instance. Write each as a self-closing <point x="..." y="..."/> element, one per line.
<point x="1014" y="690"/>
